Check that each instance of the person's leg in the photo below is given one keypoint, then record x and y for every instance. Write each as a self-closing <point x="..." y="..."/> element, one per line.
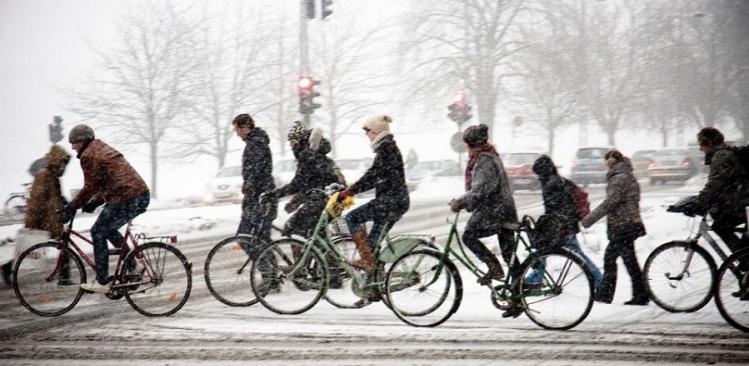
<point x="471" y="236"/>
<point x="639" y="292"/>
<point x="109" y="220"/>
<point x="574" y="246"/>
<point x="355" y="221"/>
<point x="605" y="292"/>
<point x="724" y="227"/>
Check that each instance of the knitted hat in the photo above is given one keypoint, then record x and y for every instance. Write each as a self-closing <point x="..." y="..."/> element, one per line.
<point x="476" y="135"/>
<point x="81" y="133"/>
<point x="378" y="124"/>
<point x="298" y="131"/>
<point x="544" y="166"/>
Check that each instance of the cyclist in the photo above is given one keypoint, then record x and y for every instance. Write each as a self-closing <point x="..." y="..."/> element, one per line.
<point x="108" y="179"/>
<point x="624" y="225"/>
<point x="489" y="199"/>
<point x="387" y="177"/>
<point x="726" y="193"/>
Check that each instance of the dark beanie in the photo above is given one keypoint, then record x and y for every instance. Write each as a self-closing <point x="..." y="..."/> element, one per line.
<point x="544" y="166"/>
<point x="476" y="135"/>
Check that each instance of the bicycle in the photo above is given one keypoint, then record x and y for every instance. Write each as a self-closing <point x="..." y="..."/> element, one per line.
<point x="732" y="290"/>
<point x="154" y="277"/>
<point x="425" y="288"/>
<point x="15" y="205"/>
<point x="680" y="275"/>
<point x="299" y="276"/>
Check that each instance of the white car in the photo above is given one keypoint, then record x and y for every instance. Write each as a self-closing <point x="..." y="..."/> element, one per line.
<point x="226" y="186"/>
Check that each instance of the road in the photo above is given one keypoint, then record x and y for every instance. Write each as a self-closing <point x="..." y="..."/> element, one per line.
<point x="103" y="332"/>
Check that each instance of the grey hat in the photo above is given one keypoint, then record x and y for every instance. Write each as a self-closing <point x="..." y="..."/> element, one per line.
<point x="80" y="133"/>
<point x="476" y="135"/>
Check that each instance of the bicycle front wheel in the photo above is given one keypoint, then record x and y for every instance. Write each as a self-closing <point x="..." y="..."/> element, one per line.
<point x="423" y="289"/>
<point x="732" y="290"/>
<point x="161" y="280"/>
<point x="340" y="287"/>
<point x="46" y="284"/>
<point x="565" y="296"/>
<point x="680" y="276"/>
<point x="281" y="288"/>
<point x="227" y="270"/>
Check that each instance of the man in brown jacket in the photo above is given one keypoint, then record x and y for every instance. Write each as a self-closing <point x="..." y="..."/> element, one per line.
<point x="108" y="179"/>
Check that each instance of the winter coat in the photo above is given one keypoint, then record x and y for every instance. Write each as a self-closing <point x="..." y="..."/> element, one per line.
<point x="46" y="195"/>
<point x="313" y="171"/>
<point x="387" y="177"/>
<point x="489" y="198"/>
<point x="622" y="204"/>
<point x="107" y="176"/>
<point x="257" y="166"/>
<point x="556" y="195"/>
<point x="726" y="192"/>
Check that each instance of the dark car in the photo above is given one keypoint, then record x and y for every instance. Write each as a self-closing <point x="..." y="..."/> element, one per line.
<point x="518" y="166"/>
<point x="675" y="164"/>
<point x="589" y="167"/>
<point x="640" y="162"/>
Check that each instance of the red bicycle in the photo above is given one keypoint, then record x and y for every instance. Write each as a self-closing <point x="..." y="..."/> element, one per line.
<point x="154" y="277"/>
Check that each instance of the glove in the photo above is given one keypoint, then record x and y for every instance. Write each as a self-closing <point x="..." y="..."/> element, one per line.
<point x="690" y="209"/>
<point x="266" y="197"/>
<point x="91" y="205"/>
<point x="293" y="204"/>
<point x="342" y="195"/>
<point x="456" y="205"/>
<point x="67" y="212"/>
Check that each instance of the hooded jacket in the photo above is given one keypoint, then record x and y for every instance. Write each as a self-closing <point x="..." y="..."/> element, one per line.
<point x="557" y="197"/>
<point x="726" y="191"/>
<point x="622" y="204"/>
<point x="257" y="165"/>
<point x="46" y="195"/>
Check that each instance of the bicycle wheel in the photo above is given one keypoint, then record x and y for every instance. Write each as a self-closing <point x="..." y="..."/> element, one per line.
<point x="732" y="291"/>
<point x="40" y="283"/>
<point x="227" y="271"/>
<point x="566" y="296"/>
<point x="15" y="206"/>
<point x="680" y="276"/>
<point x="423" y="289"/>
<point x="161" y="281"/>
<point x="340" y="292"/>
<point x="282" y="291"/>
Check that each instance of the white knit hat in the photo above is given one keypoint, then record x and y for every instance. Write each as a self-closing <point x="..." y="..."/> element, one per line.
<point x="378" y="124"/>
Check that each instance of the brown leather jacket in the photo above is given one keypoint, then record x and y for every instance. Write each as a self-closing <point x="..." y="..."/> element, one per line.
<point x="107" y="176"/>
<point x="46" y="196"/>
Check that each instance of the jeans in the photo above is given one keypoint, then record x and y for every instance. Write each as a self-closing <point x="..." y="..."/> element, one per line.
<point x="257" y="219"/>
<point x="107" y="226"/>
<point x="381" y="224"/>
<point x="574" y="246"/>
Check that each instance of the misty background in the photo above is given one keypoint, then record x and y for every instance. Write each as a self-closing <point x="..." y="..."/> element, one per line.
<point x="162" y="80"/>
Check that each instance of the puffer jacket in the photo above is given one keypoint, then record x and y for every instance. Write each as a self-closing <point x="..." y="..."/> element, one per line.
<point x="622" y="204"/>
<point x="107" y="176"/>
<point x="489" y="198"/>
<point x="726" y="192"/>
<point x="46" y="195"/>
<point x="257" y="166"/>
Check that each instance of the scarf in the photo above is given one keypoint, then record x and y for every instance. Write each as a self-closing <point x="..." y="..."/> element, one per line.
<point x="485" y="147"/>
<point x="378" y="139"/>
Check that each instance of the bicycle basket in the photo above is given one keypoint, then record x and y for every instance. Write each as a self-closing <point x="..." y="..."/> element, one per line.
<point x="335" y="207"/>
<point x="547" y="233"/>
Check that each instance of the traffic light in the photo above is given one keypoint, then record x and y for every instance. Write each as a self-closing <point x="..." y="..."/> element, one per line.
<point x="307" y="94"/>
<point x="460" y="110"/>
<point x="309" y="6"/>
<point x="55" y="130"/>
<point x="325" y="10"/>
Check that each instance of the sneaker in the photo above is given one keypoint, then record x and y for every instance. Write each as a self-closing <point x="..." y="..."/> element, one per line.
<point x="96" y="287"/>
<point x="513" y="312"/>
<point x="638" y="302"/>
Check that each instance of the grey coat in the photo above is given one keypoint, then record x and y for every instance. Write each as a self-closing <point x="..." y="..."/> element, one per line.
<point x="489" y="199"/>
<point x="726" y="191"/>
<point x="622" y="204"/>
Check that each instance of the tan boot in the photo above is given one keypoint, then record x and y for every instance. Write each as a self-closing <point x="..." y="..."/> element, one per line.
<point x="365" y="251"/>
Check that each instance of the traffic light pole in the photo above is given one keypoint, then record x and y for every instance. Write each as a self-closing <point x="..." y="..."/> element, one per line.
<point x="303" y="47"/>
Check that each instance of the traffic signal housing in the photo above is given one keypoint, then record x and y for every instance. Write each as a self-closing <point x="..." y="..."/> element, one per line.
<point x="55" y="130"/>
<point x="460" y="110"/>
<point x="307" y="94"/>
<point x="325" y="9"/>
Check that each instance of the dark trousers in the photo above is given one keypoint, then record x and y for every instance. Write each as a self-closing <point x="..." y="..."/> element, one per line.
<point x="471" y="237"/>
<point x="381" y="224"/>
<point x="257" y="220"/>
<point x="107" y="226"/>
<point x="305" y="218"/>
<point x="621" y="247"/>
<point x="724" y="227"/>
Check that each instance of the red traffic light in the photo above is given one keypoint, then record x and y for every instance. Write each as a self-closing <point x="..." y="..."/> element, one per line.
<point x="305" y="82"/>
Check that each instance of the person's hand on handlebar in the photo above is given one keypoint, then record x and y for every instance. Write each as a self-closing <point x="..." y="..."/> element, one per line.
<point x="342" y="195"/>
<point x="67" y="212"/>
<point x="266" y="197"/>
<point x="456" y="204"/>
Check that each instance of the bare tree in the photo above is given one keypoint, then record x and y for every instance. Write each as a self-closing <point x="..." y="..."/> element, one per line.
<point x="139" y="92"/>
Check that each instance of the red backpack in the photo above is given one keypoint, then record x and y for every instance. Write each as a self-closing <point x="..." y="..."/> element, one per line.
<point x="579" y="197"/>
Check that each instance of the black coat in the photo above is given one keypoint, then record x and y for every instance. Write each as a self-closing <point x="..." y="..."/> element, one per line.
<point x="387" y="177"/>
<point x="257" y="166"/>
<point x="726" y="192"/>
<point x="558" y="200"/>
<point x="314" y="170"/>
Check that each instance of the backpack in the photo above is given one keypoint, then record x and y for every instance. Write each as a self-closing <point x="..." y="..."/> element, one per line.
<point x="742" y="153"/>
<point x="579" y="198"/>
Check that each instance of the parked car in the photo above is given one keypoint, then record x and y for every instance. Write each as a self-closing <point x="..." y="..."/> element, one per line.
<point x="518" y="166"/>
<point x="434" y="168"/>
<point x="677" y="164"/>
<point x="589" y="166"/>
<point x="226" y="186"/>
<point x="640" y="162"/>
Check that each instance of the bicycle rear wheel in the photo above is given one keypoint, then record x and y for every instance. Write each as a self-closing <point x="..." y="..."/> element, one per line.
<point x="161" y="281"/>
<point x="227" y="270"/>
<point x="565" y="297"/>
<point x="676" y="282"/>
<point x="340" y="287"/>
<point x="15" y="206"/>
<point x="423" y="290"/>
<point x="732" y="291"/>
<point x="282" y="291"/>
<point x="42" y="286"/>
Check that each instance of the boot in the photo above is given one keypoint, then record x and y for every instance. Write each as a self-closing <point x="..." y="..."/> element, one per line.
<point x="494" y="272"/>
<point x="365" y="251"/>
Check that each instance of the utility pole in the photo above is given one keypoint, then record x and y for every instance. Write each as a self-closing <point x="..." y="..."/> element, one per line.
<point x="303" y="42"/>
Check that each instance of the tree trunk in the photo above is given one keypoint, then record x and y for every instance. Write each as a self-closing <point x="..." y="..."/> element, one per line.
<point x="552" y="134"/>
<point x="664" y="137"/>
<point x="154" y="170"/>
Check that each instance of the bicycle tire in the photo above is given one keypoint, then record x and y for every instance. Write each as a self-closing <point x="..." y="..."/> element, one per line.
<point x="15" y="211"/>
<point x="158" y="293"/>
<point x="340" y="291"/>
<point x="277" y="290"/>
<point x="33" y="267"/>
<point x="405" y="295"/>
<point x="730" y="283"/>
<point x="561" y="268"/>
<point x="687" y="294"/>
<point x="227" y="272"/>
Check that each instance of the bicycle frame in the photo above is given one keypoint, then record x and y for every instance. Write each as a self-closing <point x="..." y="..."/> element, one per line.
<point x="702" y="232"/>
